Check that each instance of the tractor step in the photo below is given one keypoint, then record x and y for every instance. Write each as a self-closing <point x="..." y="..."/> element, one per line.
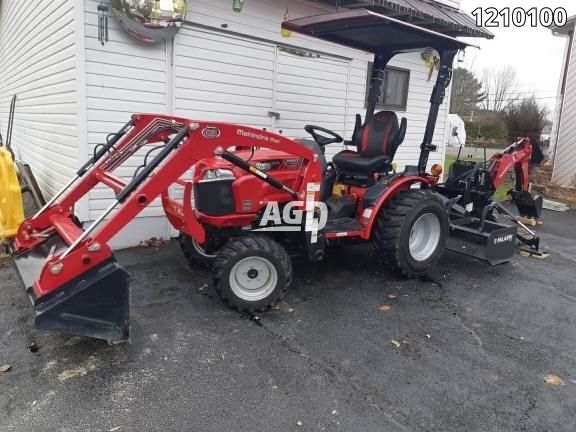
<point x="342" y="226"/>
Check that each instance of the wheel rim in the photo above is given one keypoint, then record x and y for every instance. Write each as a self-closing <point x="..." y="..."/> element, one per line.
<point x="424" y="237"/>
<point x="201" y="251"/>
<point x="253" y="278"/>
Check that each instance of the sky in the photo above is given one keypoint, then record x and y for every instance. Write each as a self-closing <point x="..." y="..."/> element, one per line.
<point x="535" y="53"/>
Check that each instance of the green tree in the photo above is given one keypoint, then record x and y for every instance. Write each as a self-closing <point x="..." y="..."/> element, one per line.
<point x="467" y="92"/>
<point x="525" y="118"/>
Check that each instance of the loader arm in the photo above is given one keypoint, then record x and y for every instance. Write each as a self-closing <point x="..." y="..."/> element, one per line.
<point x="71" y="274"/>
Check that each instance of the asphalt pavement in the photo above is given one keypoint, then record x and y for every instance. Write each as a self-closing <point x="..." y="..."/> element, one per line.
<point x="469" y="349"/>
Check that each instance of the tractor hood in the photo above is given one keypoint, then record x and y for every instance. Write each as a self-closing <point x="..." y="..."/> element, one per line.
<point x="373" y="32"/>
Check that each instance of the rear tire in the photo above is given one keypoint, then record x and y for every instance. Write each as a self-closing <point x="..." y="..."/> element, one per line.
<point x="198" y="254"/>
<point x="252" y="273"/>
<point x="411" y="232"/>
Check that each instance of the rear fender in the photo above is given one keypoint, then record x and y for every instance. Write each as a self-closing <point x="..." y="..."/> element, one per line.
<point x="397" y="186"/>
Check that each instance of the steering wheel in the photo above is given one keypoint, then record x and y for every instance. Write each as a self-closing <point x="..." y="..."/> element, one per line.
<point x="320" y="139"/>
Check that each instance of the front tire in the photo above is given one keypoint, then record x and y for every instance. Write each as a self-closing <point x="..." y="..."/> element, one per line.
<point x="252" y="273"/>
<point x="411" y="232"/>
<point x="203" y="255"/>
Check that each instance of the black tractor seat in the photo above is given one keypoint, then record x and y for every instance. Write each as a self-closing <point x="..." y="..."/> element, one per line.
<point x="354" y="162"/>
<point x="377" y="141"/>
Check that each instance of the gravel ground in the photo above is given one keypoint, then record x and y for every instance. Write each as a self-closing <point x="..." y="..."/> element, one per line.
<point x="475" y="345"/>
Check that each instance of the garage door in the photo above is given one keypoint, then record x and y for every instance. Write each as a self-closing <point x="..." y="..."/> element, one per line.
<point x="310" y="89"/>
<point x="221" y="77"/>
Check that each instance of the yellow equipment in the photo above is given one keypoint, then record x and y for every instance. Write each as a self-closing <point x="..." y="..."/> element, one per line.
<point x="11" y="208"/>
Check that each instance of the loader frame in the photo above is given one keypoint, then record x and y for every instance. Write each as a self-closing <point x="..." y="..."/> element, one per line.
<point x="187" y="142"/>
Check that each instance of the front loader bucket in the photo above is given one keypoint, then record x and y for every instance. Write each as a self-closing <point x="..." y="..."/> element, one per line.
<point x="528" y="205"/>
<point x="94" y="304"/>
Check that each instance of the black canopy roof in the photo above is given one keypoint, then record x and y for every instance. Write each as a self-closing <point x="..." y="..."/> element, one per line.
<point x="373" y="32"/>
<point x="429" y="14"/>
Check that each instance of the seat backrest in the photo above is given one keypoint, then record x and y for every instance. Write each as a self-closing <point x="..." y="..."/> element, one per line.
<point x="381" y="135"/>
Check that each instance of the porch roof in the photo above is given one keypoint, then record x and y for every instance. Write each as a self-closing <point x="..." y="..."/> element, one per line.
<point x="424" y="13"/>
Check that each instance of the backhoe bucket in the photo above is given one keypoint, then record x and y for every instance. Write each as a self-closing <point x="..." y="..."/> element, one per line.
<point x="528" y="205"/>
<point x="95" y="304"/>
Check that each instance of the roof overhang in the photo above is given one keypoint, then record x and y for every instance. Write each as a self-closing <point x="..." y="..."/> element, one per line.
<point x="424" y="13"/>
<point x="373" y="32"/>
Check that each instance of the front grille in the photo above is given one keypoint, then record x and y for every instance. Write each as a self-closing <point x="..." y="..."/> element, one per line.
<point x="214" y="198"/>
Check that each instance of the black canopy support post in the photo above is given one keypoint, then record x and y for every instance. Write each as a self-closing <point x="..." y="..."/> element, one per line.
<point x="376" y="81"/>
<point x="438" y="95"/>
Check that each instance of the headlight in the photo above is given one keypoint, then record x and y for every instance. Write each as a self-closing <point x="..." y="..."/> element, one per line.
<point x="218" y="174"/>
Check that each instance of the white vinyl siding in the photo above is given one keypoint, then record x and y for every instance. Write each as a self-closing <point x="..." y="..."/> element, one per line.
<point x="311" y="89"/>
<point x="38" y="63"/>
<point x="122" y="77"/>
<point x="564" y="173"/>
<point x="223" y="78"/>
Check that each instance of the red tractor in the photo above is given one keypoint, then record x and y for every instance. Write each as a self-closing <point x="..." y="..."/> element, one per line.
<point x="253" y="196"/>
